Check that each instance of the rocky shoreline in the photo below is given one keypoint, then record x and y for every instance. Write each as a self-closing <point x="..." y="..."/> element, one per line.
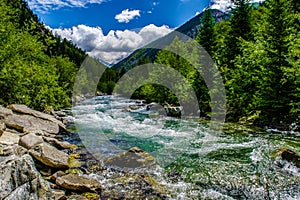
<point x="35" y="163"/>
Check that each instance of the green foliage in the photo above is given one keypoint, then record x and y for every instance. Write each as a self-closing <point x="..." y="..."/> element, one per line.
<point x="206" y="34"/>
<point x="33" y="69"/>
<point x="257" y="52"/>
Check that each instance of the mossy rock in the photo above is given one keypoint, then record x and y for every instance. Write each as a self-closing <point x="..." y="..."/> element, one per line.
<point x="91" y="196"/>
<point x="74" y="171"/>
<point x="73" y="163"/>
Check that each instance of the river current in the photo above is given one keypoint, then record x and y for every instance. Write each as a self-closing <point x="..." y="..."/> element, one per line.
<point x="235" y="163"/>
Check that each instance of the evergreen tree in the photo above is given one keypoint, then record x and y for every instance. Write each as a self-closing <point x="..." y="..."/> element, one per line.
<point x="206" y="35"/>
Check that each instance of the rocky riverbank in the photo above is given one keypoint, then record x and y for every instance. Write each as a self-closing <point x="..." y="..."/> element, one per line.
<point x="35" y="163"/>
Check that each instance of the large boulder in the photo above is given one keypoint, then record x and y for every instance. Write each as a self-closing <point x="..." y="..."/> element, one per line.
<point x="23" y="109"/>
<point x="78" y="183"/>
<point x="50" y="156"/>
<point x="133" y="158"/>
<point x="30" y="140"/>
<point x="9" y="138"/>
<point x="20" y="180"/>
<point x="29" y="123"/>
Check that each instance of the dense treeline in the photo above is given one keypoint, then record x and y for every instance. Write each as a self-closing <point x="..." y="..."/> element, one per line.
<point x="257" y="52"/>
<point x="36" y="68"/>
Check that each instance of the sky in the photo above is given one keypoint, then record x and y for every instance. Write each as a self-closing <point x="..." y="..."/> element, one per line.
<point x="111" y="29"/>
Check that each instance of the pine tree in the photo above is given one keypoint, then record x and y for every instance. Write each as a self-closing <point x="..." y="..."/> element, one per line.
<point x="206" y="34"/>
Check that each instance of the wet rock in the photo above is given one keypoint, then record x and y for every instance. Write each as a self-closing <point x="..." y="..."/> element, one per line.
<point x="28" y="123"/>
<point x="133" y="186"/>
<point x="133" y="158"/>
<point x="4" y="112"/>
<point x="23" y="109"/>
<point x="173" y="111"/>
<point x="91" y="196"/>
<point x="9" y="138"/>
<point x="291" y="156"/>
<point x="50" y="156"/>
<point x="78" y="183"/>
<point x="59" y="144"/>
<point x="30" y="140"/>
<point x="20" y="180"/>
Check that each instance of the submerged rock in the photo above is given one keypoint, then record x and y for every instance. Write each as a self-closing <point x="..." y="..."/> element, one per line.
<point x="78" y="183"/>
<point x="20" y="180"/>
<point x="133" y="158"/>
<point x="50" y="156"/>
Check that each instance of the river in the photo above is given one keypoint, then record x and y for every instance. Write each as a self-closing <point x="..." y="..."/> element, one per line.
<point x="235" y="163"/>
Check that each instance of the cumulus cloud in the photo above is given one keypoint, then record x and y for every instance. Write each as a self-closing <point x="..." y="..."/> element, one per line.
<point x="127" y="15"/>
<point x="114" y="46"/>
<point x="43" y="6"/>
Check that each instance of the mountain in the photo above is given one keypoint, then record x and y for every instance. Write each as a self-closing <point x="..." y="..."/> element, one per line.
<point x="190" y="29"/>
<point x="227" y="5"/>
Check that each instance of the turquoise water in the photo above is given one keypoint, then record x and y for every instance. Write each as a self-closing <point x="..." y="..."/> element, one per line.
<point x="235" y="163"/>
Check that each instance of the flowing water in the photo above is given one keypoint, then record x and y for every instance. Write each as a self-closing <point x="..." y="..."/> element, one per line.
<point x="235" y="163"/>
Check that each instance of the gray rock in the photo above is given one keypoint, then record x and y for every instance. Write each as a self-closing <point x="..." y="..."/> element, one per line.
<point x="2" y="127"/>
<point x="23" y="109"/>
<point x="78" y="183"/>
<point x="8" y="150"/>
<point x="20" y="180"/>
<point x="50" y="156"/>
<point x="29" y="123"/>
<point x="4" y="112"/>
<point x="30" y="140"/>
<point x="9" y="138"/>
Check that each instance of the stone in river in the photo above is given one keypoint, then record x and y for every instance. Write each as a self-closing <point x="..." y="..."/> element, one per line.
<point x="291" y="156"/>
<point x="78" y="183"/>
<point x="133" y="158"/>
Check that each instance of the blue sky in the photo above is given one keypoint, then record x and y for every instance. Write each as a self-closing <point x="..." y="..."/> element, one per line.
<point x="111" y="29"/>
<point x="102" y="13"/>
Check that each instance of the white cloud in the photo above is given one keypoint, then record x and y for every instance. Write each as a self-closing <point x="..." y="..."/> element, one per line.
<point x="43" y="6"/>
<point x="114" y="46"/>
<point x="127" y="15"/>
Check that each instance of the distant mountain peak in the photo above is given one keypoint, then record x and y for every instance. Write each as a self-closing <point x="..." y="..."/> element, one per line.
<point x="226" y="5"/>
